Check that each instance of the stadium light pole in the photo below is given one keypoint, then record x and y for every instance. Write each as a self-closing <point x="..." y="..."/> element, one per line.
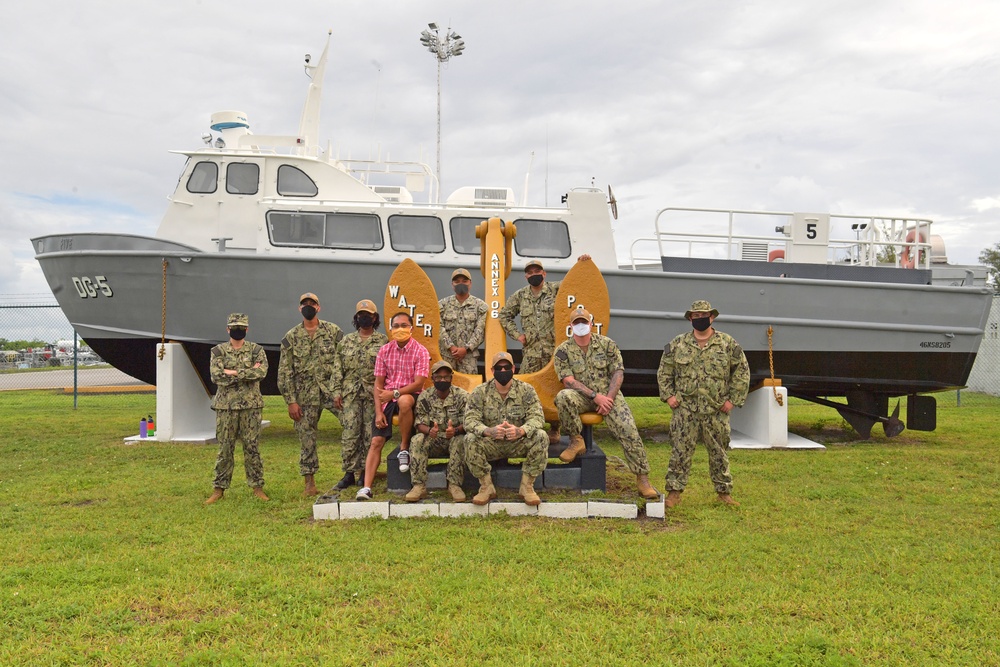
<point x="444" y="46"/>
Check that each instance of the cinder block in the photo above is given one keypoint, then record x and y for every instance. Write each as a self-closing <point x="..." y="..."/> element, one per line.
<point x="655" y="509"/>
<point x="508" y="478"/>
<point x="326" y="511"/>
<point x="562" y="477"/>
<point x="512" y="508"/>
<point x="610" y="509"/>
<point x="363" y="509"/>
<point x="405" y="509"/>
<point x="436" y="479"/>
<point x="564" y="510"/>
<point x="463" y="509"/>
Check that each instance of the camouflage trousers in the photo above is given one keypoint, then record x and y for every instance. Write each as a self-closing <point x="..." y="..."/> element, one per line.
<point x="230" y="426"/>
<point x="479" y="451"/>
<point x="466" y="365"/>
<point x="571" y="403"/>
<point x="423" y="447"/>
<point x="356" y="418"/>
<point x="686" y="430"/>
<point x="535" y="356"/>
<point x="307" y="428"/>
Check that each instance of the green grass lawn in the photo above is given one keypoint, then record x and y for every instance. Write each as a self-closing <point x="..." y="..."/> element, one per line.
<point x="879" y="552"/>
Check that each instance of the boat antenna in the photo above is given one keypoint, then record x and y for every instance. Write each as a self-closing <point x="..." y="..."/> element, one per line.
<point x="527" y="175"/>
<point x="309" y="124"/>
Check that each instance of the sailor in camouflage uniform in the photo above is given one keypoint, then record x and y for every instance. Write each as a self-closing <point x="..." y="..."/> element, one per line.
<point x="237" y="367"/>
<point x="504" y="419"/>
<point x="463" y="324"/>
<point x="536" y="304"/>
<point x="702" y="375"/>
<point x="590" y="367"/>
<point x="440" y="415"/>
<point x="352" y="386"/>
<point x="308" y="354"/>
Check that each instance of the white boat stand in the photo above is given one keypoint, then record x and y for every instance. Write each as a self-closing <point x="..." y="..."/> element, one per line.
<point x="762" y="422"/>
<point x="183" y="405"/>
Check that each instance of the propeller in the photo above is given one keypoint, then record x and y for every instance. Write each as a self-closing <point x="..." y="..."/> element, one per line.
<point x="613" y="202"/>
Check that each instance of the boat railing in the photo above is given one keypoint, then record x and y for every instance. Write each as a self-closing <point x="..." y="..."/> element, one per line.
<point x="735" y="234"/>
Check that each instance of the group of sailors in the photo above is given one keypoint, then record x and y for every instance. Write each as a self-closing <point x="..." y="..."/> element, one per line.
<point x="368" y="377"/>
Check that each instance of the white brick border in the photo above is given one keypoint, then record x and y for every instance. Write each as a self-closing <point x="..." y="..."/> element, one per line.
<point x="597" y="508"/>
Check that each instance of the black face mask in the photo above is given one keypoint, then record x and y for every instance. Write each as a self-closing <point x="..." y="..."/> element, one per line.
<point x="237" y="334"/>
<point x="536" y="280"/>
<point x="442" y="385"/>
<point x="309" y="312"/>
<point x="366" y="320"/>
<point x="461" y="289"/>
<point x="701" y="323"/>
<point x="504" y="376"/>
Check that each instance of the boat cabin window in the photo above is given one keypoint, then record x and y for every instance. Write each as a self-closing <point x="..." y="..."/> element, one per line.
<point x="463" y="235"/>
<point x="542" y="238"/>
<point x="204" y="178"/>
<point x="416" y="233"/>
<point x="355" y="231"/>
<point x="293" y="182"/>
<point x="241" y="178"/>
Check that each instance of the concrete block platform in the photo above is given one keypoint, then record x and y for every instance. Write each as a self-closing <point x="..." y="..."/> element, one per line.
<point x="328" y="509"/>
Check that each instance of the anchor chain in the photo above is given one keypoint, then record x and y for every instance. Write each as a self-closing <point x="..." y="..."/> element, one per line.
<point x="163" y="314"/>
<point x="770" y="359"/>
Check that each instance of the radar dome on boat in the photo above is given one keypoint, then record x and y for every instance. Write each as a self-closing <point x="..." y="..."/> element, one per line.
<point x="227" y="120"/>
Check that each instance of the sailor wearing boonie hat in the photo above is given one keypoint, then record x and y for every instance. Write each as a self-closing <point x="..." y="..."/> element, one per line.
<point x="703" y="374"/>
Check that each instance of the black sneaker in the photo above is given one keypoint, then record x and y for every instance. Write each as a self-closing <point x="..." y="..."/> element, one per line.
<point x="345" y="481"/>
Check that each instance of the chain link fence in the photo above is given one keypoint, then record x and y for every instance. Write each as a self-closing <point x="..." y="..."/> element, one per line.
<point x="40" y="350"/>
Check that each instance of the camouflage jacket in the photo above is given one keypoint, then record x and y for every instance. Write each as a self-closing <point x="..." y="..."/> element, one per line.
<point x="703" y="378"/>
<point x="354" y="368"/>
<point x="306" y="364"/>
<point x="462" y="324"/>
<point x="432" y="408"/>
<point x="240" y="391"/>
<point x="487" y="408"/>
<point x="537" y="314"/>
<point x="593" y="366"/>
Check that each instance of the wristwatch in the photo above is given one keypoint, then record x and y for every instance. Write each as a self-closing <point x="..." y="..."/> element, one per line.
<point x="395" y="394"/>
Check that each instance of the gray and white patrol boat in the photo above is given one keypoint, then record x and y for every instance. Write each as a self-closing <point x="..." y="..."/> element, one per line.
<point x="862" y="307"/>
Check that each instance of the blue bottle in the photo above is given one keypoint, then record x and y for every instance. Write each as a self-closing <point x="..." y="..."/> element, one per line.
<point x="142" y="428"/>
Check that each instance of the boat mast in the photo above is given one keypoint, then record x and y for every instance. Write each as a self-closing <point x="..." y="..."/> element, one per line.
<point x="309" y="124"/>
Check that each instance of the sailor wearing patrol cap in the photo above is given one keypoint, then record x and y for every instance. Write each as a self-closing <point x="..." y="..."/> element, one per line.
<point x="237" y="367"/>
<point x="591" y="369"/>
<point x="352" y="385"/>
<point x="463" y="324"/>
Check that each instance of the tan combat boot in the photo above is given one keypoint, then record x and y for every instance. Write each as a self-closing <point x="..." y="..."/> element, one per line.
<point x="576" y="447"/>
<point x="259" y="492"/>
<point x="216" y="495"/>
<point x="486" y="491"/>
<point x="673" y="499"/>
<point x="727" y="499"/>
<point x="646" y="489"/>
<point x="416" y="493"/>
<point x="310" y="487"/>
<point x="457" y="494"/>
<point x="527" y="490"/>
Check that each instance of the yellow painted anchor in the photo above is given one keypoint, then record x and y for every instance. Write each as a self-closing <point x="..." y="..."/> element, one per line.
<point x="411" y="290"/>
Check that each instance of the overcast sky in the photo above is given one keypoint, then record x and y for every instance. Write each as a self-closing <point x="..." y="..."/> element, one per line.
<point x="872" y="107"/>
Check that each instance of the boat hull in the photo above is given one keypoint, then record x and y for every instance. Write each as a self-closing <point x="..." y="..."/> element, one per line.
<point x="827" y="338"/>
